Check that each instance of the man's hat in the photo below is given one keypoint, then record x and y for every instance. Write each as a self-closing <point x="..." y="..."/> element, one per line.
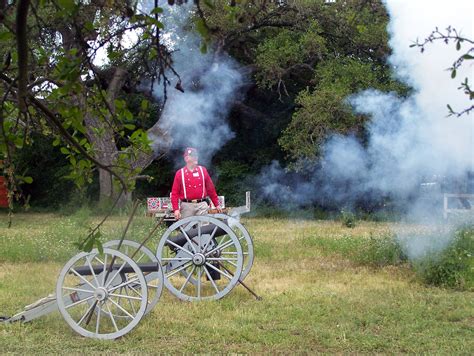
<point x="190" y="151"/>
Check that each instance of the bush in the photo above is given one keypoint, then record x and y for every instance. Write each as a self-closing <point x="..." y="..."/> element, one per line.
<point x="348" y="218"/>
<point x="232" y="181"/>
<point x="454" y="266"/>
<point x="380" y="251"/>
<point x="374" y="251"/>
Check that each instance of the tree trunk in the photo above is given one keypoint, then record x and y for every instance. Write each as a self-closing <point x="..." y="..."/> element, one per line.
<point x="101" y="136"/>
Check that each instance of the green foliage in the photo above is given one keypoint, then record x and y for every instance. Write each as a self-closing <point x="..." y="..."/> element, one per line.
<point x="313" y="55"/>
<point x="232" y="177"/>
<point x="288" y="49"/>
<point x="312" y="303"/>
<point x="45" y="164"/>
<point x="316" y="53"/>
<point x="452" y="267"/>
<point x="325" y="110"/>
<point x="452" y="35"/>
<point x="378" y="251"/>
<point x="270" y="211"/>
<point x="348" y="218"/>
<point x="72" y="102"/>
<point x="92" y="240"/>
<point x="344" y="245"/>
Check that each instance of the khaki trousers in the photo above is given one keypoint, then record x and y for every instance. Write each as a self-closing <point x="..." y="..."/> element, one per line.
<point x="192" y="209"/>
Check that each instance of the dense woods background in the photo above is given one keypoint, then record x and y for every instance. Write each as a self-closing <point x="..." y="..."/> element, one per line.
<point x="301" y="60"/>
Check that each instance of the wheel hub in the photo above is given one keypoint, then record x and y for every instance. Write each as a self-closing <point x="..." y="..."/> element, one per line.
<point x="199" y="259"/>
<point x="217" y="254"/>
<point x="101" y="294"/>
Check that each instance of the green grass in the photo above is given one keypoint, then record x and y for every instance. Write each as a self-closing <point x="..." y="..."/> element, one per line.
<point x="325" y="288"/>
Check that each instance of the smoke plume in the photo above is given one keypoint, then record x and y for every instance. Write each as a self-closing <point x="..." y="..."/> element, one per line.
<point x="211" y="81"/>
<point x="409" y="139"/>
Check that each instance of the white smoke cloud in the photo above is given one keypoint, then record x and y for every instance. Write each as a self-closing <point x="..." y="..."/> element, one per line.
<point x="211" y="82"/>
<point x="408" y="138"/>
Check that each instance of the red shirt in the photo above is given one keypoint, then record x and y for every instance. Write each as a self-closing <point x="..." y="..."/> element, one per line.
<point x="196" y="184"/>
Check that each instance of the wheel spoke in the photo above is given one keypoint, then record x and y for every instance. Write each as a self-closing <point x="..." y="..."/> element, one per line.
<point x="124" y="296"/>
<point x="221" y="259"/>
<point x="97" y="322"/>
<point x="187" y="279"/>
<point x="133" y="289"/>
<point x="218" y="270"/>
<point x="123" y="284"/>
<point x="79" y="290"/>
<point x="199" y="237"/>
<point x="111" y="316"/>
<point x="86" y="313"/>
<point x="130" y="302"/>
<point x="210" y="239"/>
<point x="140" y="258"/>
<point x="187" y="238"/>
<point x="78" y="302"/>
<point x="232" y="263"/>
<point x="176" y="259"/>
<point x="116" y="273"/>
<point x="82" y="278"/>
<point x="220" y="247"/>
<point x="103" y="271"/>
<point x="122" y="309"/>
<point x="199" y="282"/>
<point x="151" y="285"/>
<point x="212" y="280"/>
<point x="92" y="270"/>
<point x="186" y="265"/>
<point x="223" y="245"/>
<point x="181" y="248"/>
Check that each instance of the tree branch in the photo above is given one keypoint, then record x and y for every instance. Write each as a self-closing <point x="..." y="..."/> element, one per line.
<point x="118" y="79"/>
<point x="22" y="47"/>
<point x="53" y="119"/>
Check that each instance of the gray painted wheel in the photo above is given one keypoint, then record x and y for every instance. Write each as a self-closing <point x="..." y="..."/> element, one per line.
<point x="154" y="280"/>
<point x="245" y="241"/>
<point x="75" y="289"/>
<point x="200" y="258"/>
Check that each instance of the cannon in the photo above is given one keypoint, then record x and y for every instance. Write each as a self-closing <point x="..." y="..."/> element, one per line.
<point x="105" y="294"/>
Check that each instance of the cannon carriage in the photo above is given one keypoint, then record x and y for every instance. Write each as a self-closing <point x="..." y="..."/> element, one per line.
<point x="105" y="294"/>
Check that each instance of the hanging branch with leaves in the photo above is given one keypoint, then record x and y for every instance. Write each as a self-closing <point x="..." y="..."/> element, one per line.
<point x="453" y="36"/>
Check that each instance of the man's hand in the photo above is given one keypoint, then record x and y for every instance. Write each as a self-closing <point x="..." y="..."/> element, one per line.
<point x="219" y="209"/>
<point x="177" y="214"/>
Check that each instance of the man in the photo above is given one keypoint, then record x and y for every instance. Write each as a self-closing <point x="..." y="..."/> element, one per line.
<point x="192" y="185"/>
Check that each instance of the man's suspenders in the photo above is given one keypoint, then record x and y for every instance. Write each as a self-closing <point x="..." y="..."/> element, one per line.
<point x="203" y="182"/>
<point x="184" y="183"/>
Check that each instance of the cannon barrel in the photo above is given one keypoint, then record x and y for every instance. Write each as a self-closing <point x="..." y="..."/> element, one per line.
<point x="145" y="267"/>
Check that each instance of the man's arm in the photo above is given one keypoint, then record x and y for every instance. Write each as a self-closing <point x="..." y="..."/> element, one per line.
<point x="211" y="190"/>
<point x="175" y="193"/>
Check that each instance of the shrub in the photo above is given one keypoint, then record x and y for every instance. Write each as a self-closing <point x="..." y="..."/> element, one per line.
<point x="374" y="251"/>
<point x="348" y="218"/>
<point x="380" y="251"/>
<point x="452" y="267"/>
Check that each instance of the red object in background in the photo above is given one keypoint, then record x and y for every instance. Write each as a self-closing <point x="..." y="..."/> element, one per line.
<point x="3" y="193"/>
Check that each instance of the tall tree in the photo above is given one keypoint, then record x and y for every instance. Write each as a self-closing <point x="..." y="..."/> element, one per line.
<point x="312" y="55"/>
<point x="52" y="81"/>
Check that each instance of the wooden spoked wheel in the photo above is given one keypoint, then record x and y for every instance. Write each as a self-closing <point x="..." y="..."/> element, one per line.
<point x="202" y="263"/>
<point x="86" y="287"/>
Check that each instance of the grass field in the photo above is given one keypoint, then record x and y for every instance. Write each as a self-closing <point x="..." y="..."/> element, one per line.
<point x="316" y="296"/>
